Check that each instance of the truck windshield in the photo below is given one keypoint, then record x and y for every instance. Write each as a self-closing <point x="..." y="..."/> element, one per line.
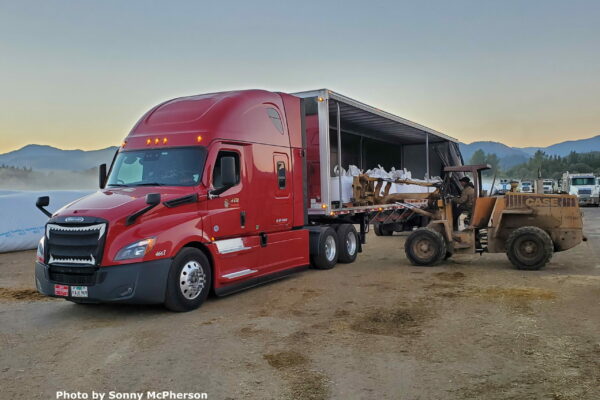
<point x="158" y="167"/>
<point x="582" y="181"/>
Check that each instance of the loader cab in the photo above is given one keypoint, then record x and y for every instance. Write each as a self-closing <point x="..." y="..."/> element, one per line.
<point x="483" y="203"/>
<point x="472" y="171"/>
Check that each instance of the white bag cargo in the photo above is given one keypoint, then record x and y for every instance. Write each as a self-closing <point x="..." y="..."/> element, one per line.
<point x="21" y="223"/>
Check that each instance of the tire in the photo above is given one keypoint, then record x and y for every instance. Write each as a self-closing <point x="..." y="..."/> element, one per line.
<point x="382" y="230"/>
<point x="529" y="248"/>
<point x="347" y="243"/>
<point x="425" y="247"/>
<point x="327" y="252"/>
<point x="189" y="280"/>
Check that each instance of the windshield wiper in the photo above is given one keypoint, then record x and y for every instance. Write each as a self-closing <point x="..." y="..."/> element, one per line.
<point x="117" y="184"/>
<point x="149" y="184"/>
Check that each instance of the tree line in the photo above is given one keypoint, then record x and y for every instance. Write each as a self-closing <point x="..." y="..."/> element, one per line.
<point x="540" y="165"/>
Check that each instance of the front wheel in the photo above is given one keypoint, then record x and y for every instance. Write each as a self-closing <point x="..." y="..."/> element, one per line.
<point x="529" y="248"/>
<point x="189" y="280"/>
<point x="425" y="247"/>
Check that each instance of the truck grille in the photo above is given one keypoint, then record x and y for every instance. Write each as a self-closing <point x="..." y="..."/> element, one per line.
<point x="585" y="191"/>
<point x="85" y="276"/>
<point x="71" y="245"/>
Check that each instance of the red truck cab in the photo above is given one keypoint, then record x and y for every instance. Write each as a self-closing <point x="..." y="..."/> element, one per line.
<point x="206" y="192"/>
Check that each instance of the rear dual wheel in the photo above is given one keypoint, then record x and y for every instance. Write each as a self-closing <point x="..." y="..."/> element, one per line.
<point x="348" y="243"/>
<point x="336" y="245"/>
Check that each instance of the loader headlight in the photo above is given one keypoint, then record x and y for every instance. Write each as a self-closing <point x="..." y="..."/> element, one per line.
<point x="135" y="250"/>
<point x="40" y="249"/>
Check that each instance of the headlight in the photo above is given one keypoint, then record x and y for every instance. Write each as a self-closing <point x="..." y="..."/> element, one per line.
<point x="135" y="250"/>
<point x="40" y="249"/>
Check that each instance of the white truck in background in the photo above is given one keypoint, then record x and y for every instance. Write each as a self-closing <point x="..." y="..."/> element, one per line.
<point x="527" y="186"/>
<point x="584" y="186"/>
<point x="549" y="186"/>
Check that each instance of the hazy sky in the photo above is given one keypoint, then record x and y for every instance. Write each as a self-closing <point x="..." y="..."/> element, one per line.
<point x="78" y="74"/>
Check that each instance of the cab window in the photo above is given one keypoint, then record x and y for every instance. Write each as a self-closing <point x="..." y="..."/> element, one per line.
<point x="216" y="179"/>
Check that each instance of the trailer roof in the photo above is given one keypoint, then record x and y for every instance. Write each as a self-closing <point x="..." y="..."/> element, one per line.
<point x="376" y="123"/>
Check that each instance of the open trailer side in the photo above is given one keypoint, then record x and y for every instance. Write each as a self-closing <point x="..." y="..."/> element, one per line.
<point x="341" y="131"/>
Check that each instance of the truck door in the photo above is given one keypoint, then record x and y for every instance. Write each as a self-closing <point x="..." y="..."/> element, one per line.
<point x="228" y="210"/>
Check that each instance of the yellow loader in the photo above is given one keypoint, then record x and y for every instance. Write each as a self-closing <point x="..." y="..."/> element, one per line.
<point x="528" y="227"/>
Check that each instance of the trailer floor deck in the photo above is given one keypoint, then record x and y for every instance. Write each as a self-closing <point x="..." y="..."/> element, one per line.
<point x="378" y="328"/>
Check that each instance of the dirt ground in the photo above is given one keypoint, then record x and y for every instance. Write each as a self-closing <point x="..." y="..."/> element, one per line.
<point x="474" y="328"/>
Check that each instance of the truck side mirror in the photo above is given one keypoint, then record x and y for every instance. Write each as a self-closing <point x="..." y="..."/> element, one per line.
<point x="153" y="199"/>
<point x="228" y="177"/>
<point x="102" y="175"/>
<point x="42" y="202"/>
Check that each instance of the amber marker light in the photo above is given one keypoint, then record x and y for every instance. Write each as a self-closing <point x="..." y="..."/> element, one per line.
<point x="156" y="140"/>
<point x="148" y="141"/>
<point x="199" y="138"/>
<point x="323" y="206"/>
<point x="164" y="140"/>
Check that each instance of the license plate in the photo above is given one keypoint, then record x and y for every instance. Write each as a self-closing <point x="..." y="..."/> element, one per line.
<point x="79" y="291"/>
<point x="61" y="290"/>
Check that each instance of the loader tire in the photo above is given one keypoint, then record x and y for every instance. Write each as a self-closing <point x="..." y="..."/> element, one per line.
<point x="529" y="248"/>
<point x="347" y="243"/>
<point x="425" y="247"/>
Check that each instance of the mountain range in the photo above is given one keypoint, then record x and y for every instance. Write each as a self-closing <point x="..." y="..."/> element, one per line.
<point x="511" y="156"/>
<point x="41" y="157"/>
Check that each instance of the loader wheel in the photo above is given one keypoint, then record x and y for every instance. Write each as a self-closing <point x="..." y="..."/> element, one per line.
<point x="425" y="247"/>
<point x="382" y="230"/>
<point x="327" y="255"/>
<point x="529" y="248"/>
<point x="189" y="280"/>
<point x="347" y="243"/>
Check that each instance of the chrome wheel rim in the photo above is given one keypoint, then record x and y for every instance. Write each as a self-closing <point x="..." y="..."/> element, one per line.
<point x="191" y="280"/>
<point x="330" y="248"/>
<point x="351" y="243"/>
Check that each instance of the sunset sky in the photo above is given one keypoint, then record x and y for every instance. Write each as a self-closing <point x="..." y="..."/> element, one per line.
<point x="78" y="74"/>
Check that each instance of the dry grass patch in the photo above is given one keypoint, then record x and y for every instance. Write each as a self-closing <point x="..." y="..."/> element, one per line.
<point x="514" y="293"/>
<point x="391" y="322"/>
<point x="11" y="294"/>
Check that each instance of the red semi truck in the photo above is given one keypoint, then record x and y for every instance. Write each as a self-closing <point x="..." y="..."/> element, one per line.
<point x="224" y="191"/>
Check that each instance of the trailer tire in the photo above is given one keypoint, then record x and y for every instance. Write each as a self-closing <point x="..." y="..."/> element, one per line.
<point x="347" y="243"/>
<point x="382" y="230"/>
<point x="189" y="280"/>
<point x="529" y="248"/>
<point x="328" y="250"/>
<point x="425" y="247"/>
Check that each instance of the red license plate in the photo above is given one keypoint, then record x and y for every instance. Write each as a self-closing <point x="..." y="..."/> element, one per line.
<point x="61" y="290"/>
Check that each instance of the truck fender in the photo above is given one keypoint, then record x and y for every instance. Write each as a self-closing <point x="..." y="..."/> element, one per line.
<point x="314" y="234"/>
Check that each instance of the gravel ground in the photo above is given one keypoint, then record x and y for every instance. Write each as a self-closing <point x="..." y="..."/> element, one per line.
<point x="474" y="328"/>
